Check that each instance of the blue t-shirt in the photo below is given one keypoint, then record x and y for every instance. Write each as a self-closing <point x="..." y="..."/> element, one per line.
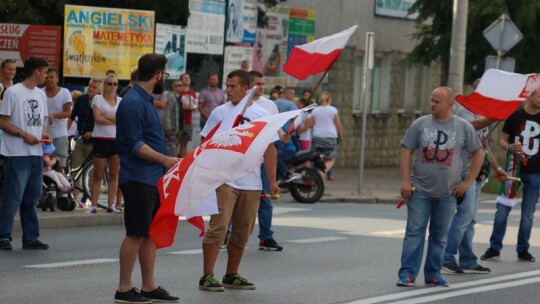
<point x="137" y="123"/>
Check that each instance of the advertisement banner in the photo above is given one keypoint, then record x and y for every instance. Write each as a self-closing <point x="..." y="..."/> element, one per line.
<point x="301" y="26"/>
<point x="276" y="40"/>
<point x="241" y="21"/>
<point x="395" y="9"/>
<point x="234" y="55"/>
<point x="170" y="41"/>
<point x="258" y="50"/>
<point x="20" y="41"/>
<point x="97" y="39"/>
<point x="205" y="27"/>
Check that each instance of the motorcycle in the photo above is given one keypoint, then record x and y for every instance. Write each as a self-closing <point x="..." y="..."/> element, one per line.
<point x="305" y="182"/>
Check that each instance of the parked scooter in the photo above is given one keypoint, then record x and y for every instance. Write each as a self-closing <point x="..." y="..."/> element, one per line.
<point x="304" y="181"/>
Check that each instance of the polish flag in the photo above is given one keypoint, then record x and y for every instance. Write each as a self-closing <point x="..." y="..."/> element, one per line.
<point x="188" y="188"/>
<point x="317" y="56"/>
<point x="499" y="93"/>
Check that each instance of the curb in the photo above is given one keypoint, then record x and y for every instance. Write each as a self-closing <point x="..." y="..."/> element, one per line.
<point x="75" y="218"/>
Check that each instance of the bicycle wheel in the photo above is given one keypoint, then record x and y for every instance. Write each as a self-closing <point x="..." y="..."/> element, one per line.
<point x="88" y="174"/>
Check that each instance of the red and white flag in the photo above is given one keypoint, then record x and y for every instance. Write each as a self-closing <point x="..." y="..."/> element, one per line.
<point x="317" y="56"/>
<point x="225" y="157"/>
<point x="499" y="93"/>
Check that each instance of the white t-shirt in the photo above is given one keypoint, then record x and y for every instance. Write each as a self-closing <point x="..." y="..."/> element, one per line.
<point x="268" y="104"/>
<point x="55" y="105"/>
<point x="324" y="121"/>
<point x="27" y="110"/>
<point x="251" y="181"/>
<point x="301" y="121"/>
<point x="105" y="131"/>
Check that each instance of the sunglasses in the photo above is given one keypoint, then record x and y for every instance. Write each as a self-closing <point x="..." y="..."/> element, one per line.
<point x="112" y="84"/>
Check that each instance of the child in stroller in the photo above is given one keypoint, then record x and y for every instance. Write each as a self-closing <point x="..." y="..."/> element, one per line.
<point x="59" y="179"/>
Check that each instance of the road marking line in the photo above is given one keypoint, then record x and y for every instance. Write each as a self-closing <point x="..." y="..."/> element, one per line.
<point x="193" y="251"/>
<point x="317" y="240"/>
<point x="458" y="293"/>
<point x="390" y="232"/>
<point x="412" y="293"/>
<point x="73" y="263"/>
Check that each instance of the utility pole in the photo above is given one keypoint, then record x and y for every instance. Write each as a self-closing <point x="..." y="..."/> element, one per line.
<point x="457" y="47"/>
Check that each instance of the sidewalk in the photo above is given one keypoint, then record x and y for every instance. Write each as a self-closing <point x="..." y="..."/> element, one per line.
<point x="381" y="185"/>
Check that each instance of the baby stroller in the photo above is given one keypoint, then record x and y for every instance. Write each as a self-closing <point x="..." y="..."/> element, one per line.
<point x="51" y="194"/>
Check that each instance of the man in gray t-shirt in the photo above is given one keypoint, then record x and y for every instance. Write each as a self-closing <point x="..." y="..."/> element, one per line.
<point x="440" y="140"/>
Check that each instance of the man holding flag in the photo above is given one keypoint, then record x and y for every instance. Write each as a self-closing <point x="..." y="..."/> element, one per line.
<point x="141" y="147"/>
<point x="237" y="201"/>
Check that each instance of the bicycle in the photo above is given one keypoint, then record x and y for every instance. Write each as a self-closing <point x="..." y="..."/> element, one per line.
<point x="86" y="172"/>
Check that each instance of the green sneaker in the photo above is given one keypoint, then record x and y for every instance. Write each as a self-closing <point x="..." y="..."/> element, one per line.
<point x="210" y="283"/>
<point x="236" y="281"/>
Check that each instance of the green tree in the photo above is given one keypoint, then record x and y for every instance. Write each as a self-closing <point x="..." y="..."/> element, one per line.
<point x="434" y="30"/>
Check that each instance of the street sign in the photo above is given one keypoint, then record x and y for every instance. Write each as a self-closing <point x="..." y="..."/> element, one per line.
<point x="503" y="34"/>
<point x="505" y="64"/>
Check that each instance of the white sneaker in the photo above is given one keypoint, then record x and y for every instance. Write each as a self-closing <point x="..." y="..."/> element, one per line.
<point x="112" y="209"/>
<point x="91" y="210"/>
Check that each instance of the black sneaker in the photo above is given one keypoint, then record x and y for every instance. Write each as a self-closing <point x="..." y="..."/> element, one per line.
<point x="159" y="295"/>
<point x="236" y="281"/>
<point x="478" y="269"/>
<point x="210" y="283"/>
<point x="269" y="245"/>
<point x="491" y="255"/>
<point x="452" y="268"/>
<point x="35" y="245"/>
<point x="5" y="245"/>
<point x="130" y="296"/>
<point x="526" y="256"/>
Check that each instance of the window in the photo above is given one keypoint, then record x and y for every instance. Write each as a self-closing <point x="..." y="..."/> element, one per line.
<point x="378" y="85"/>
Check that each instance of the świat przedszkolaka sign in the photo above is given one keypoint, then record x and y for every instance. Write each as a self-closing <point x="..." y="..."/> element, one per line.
<point x="97" y="39"/>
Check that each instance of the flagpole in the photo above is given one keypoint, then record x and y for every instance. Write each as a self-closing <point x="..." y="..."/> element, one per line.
<point x="318" y="84"/>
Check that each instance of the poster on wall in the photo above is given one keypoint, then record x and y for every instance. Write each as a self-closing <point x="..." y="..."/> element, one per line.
<point x="205" y="27"/>
<point x="170" y="41"/>
<point x="301" y="26"/>
<point x="259" y="50"/>
<point x="276" y="41"/>
<point x="234" y="55"/>
<point x="241" y="23"/>
<point x="97" y="39"/>
<point x="20" y="41"/>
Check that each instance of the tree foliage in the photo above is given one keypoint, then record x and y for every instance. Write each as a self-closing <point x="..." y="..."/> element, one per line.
<point x="434" y="30"/>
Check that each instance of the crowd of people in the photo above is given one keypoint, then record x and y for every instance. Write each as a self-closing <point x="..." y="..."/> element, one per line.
<point x="445" y="161"/>
<point x="138" y="133"/>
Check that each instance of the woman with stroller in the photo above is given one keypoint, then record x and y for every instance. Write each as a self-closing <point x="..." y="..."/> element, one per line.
<point x="104" y="150"/>
<point x="48" y="163"/>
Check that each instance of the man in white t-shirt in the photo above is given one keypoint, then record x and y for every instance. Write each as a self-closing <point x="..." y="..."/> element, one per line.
<point x="237" y="201"/>
<point x="23" y="114"/>
<point x="59" y="108"/>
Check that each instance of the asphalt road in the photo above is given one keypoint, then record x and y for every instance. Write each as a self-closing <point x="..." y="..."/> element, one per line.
<point x="334" y="253"/>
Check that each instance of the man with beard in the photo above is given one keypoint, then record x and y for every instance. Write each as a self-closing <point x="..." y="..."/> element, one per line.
<point x="141" y="147"/>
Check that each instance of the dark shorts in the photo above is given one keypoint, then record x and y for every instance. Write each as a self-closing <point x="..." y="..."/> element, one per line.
<point x="327" y="146"/>
<point x="141" y="203"/>
<point x="185" y="133"/>
<point x="104" y="148"/>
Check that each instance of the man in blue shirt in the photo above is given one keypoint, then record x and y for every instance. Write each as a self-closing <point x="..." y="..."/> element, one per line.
<point x="141" y="147"/>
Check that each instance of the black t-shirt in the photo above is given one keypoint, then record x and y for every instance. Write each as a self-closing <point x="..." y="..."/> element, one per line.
<point x="525" y="128"/>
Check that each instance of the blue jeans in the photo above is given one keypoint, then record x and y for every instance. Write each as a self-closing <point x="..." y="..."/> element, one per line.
<point x="461" y="233"/>
<point x="528" y="206"/>
<point x="282" y="157"/>
<point x="421" y="210"/>
<point x="265" y="209"/>
<point x="21" y="190"/>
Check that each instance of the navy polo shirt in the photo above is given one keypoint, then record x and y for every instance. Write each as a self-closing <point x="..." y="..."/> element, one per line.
<point x="137" y="123"/>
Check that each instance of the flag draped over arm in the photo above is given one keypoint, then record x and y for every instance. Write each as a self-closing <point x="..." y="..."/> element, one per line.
<point x="317" y="56"/>
<point x="188" y="188"/>
<point x="499" y="93"/>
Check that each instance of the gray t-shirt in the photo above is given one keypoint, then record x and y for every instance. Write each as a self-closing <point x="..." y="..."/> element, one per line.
<point x="439" y="147"/>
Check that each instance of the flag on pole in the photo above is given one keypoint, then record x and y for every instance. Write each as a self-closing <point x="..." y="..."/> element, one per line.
<point x="225" y="157"/>
<point x="317" y="56"/>
<point x="499" y="93"/>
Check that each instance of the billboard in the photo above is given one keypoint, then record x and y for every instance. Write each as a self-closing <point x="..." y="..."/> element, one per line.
<point x="301" y="26"/>
<point x="234" y="55"/>
<point x="395" y="8"/>
<point x="205" y="27"/>
<point x="20" y="41"/>
<point x="170" y="41"/>
<point x="97" y="39"/>
<point x="241" y="23"/>
<point x="276" y="40"/>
